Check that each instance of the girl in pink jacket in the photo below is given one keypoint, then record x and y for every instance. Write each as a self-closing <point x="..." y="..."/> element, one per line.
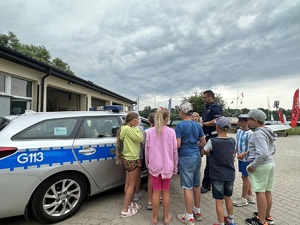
<point x="161" y="160"/>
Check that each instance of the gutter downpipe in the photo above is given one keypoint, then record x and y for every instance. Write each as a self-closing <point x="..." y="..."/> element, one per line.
<point x="42" y="89"/>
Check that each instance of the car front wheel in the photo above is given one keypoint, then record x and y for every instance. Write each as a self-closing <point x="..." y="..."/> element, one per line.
<point x="59" y="197"/>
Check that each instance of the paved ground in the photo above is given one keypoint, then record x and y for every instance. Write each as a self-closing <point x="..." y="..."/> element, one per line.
<point x="105" y="208"/>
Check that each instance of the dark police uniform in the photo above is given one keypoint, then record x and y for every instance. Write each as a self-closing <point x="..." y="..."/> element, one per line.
<point x="212" y="111"/>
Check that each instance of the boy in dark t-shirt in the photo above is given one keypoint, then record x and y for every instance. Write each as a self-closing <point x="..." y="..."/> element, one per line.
<point x="221" y="150"/>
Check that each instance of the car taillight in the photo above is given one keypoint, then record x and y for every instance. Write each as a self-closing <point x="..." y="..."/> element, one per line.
<point x="6" y="151"/>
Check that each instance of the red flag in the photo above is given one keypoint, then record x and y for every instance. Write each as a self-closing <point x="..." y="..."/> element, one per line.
<point x="295" y="109"/>
<point x="280" y="116"/>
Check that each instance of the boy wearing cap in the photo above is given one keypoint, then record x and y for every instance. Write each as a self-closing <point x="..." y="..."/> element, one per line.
<point x="262" y="167"/>
<point x="190" y="138"/>
<point x="243" y="136"/>
<point x="221" y="151"/>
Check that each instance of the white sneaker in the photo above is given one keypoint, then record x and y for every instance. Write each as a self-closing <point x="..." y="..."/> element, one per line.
<point x="137" y="197"/>
<point x="251" y="199"/>
<point x="240" y="201"/>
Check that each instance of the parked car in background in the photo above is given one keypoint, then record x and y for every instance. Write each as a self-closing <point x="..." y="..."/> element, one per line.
<point x="51" y="162"/>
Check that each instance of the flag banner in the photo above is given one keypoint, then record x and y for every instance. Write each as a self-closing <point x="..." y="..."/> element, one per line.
<point x="295" y="109"/>
<point x="280" y="116"/>
<point x="170" y="105"/>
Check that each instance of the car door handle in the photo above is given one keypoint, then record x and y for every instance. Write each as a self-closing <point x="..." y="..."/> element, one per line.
<point x="87" y="151"/>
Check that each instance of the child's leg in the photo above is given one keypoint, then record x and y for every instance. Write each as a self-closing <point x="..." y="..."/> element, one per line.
<point x="269" y="203"/>
<point x="131" y="178"/>
<point x="155" y="205"/>
<point x="229" y="205"/>
<point x="246" y="189"/>
<point x="220" y="210"/>
<point x="156" y="181"/>
<point x="138" y="184"/>
<point x="261" y="206"/>
<point x="150" y="190"/>
<point x="166" y="199"/>
<point x="197" y="196"/>
<point x="188" y="199"/>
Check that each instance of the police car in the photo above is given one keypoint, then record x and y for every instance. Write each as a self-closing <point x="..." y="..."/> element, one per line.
<point x="50" y="162"/>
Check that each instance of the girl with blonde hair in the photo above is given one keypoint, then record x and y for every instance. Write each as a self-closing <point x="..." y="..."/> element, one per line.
<point x="162" y="162"/>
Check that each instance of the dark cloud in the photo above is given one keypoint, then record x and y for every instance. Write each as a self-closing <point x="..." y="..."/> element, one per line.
<point x="168" y="48"/>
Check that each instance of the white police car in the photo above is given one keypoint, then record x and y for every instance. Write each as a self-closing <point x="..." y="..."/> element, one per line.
<point x="51" y="162"/>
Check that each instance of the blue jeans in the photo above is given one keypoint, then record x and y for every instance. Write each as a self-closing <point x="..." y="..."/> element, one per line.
<point x="189" y="171"/>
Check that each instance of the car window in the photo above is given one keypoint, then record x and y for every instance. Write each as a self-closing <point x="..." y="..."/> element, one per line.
<point x="3" y="122"/>
<point x="97" y="127"/>
<point x="49" y="129"/>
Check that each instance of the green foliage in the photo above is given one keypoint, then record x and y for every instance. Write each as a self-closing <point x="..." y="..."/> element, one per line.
<point x="147" y="110"/>
<point x="198" y="104"/>
<point x="39" y="53"/>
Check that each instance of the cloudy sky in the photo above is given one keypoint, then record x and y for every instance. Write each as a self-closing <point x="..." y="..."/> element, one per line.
<point x="157" y="50"/>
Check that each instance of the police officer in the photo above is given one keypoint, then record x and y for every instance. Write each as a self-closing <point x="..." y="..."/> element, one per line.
<point x="212" y="111"/>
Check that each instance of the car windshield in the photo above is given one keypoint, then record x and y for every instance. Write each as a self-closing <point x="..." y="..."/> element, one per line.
<point x="3" y="122"/>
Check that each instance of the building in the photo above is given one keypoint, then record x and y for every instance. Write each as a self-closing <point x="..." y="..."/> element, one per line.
<point x="28" y="84"/>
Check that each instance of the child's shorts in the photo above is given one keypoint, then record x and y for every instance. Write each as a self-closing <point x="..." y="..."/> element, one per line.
<point x="160" y="184"/>
<point x="243" y="168"/>
<point x="189" y="171"/>
<point x="130" y="165"/>
<point x="221" y="189"/>
<point x="262" y="179"/>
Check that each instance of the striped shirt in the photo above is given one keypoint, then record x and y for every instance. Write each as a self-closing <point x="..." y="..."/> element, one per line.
<point x="242" y="141"/>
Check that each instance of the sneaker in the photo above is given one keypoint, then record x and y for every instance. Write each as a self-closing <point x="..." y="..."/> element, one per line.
<point x="198" y="216"/>
<point x="137" y="197"/>
<point x="226" y="221"/>
<point x="251" y="199"/>
<point x="181" y="218"/>
<point x="240" y="201"/>
<point x="269" y="219"/>
<point x="254" y="221"/>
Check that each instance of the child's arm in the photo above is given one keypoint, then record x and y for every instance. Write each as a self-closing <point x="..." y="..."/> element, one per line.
<point x="207" y="148"/>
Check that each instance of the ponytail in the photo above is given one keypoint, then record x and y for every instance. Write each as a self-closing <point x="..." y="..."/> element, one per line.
<point x="161" y="116"/>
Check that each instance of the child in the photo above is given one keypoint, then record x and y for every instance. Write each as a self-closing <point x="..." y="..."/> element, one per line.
<point x="161" y="160"/>
<point x="151" y="119"/>
<point x="190" y="138"/>
<point x="221" y="150"/>
<point x="128" y="149"/>
<point x="243" y="136"/>
<point x="262" y="167"/>
<point x="138" y="195"/>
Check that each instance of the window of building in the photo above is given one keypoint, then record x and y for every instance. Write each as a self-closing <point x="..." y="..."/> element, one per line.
<point x="2" y="83"/>
<point x="21" y="87"/>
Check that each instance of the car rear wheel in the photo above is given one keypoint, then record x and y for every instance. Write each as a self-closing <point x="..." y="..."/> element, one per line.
<point x="59" y="197"/>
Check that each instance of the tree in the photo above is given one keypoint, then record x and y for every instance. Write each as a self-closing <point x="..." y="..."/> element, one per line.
<point x="39" y="53"/>
<point x="198" y="104"/>
<point x="62" y="65"/>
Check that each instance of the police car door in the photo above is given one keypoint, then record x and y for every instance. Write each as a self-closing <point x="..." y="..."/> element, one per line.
<point x="95" y="149"/>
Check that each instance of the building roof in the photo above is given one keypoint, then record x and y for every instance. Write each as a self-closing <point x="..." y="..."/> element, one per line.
<point x="21" y="59"/>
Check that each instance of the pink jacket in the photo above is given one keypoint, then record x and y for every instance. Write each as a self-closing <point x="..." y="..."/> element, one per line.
<point x="161" y="153"/>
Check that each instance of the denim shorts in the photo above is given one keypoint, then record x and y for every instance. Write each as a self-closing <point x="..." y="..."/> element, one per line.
<point x="221" y="189"/>
<point x="242" y="168"/>
<point x="189" y="171"/>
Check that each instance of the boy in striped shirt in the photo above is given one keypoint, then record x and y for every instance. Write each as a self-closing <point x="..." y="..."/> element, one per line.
<point x="242" y="143"/>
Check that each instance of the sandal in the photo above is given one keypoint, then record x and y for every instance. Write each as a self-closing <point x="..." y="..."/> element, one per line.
<point x="149" y="206"/>
<point x="134" y="205"/>
<point x="169" y="219"/>
<point x="130" y="212"/>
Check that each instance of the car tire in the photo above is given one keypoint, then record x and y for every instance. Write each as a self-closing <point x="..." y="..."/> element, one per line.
<point x="59" y="197"/>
